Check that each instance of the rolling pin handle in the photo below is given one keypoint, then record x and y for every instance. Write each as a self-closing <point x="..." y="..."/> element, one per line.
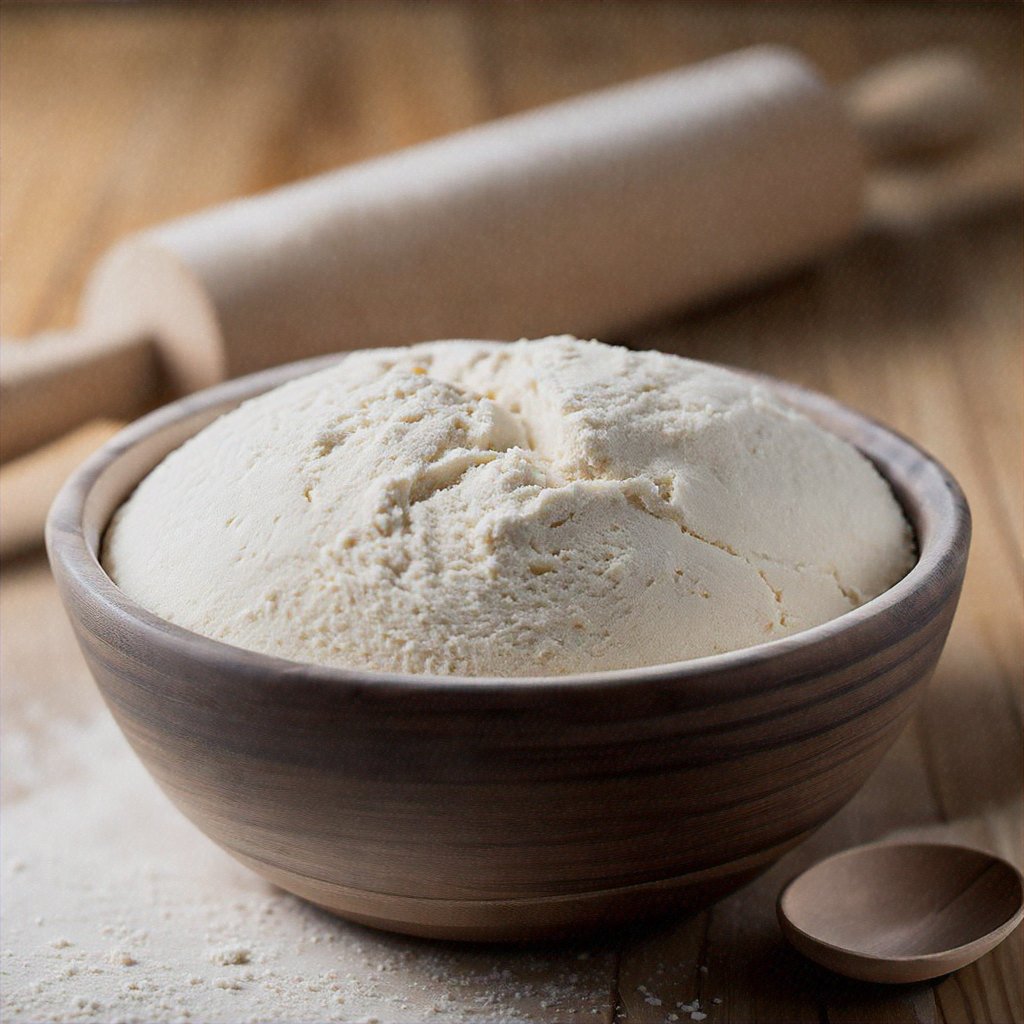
<point x="63" y="379"/>
<point x="920" y="107"/>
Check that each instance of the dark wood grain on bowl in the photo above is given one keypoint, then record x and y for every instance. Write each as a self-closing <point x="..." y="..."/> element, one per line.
<point x="510" y="809"/>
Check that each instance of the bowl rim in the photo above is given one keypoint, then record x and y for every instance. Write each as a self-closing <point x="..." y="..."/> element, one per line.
<point x="939" y="568"/>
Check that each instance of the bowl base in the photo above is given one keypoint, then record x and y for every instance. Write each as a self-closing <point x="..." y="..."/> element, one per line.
<point x="526" y="919"/>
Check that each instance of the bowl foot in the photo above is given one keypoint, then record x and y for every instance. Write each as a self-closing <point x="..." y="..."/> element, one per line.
<point x="526" y="919"/>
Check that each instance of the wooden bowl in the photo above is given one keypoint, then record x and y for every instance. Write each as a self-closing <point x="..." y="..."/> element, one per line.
<point x="504" y="809"/>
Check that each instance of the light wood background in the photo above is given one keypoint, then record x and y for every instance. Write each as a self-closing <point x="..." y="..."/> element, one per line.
<point x="115" y="117"/>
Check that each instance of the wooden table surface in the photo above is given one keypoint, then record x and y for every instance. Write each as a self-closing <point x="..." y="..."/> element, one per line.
<point x="115" y="117"/>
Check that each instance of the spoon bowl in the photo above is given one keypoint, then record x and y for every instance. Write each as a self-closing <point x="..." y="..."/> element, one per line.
<point x="903" y="912"/>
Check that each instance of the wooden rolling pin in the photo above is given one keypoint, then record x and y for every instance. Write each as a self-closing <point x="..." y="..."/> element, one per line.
<point x="584" y="217"/>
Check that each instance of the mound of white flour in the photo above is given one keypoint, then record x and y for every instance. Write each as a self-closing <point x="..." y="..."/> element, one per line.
<point x="487" y="509"/>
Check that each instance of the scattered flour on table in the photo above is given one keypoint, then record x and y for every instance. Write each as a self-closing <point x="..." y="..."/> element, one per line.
<point x="115" y="909"/>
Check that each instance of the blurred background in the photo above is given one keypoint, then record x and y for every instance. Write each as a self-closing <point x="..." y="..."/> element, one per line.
<point x="118" y="116"/>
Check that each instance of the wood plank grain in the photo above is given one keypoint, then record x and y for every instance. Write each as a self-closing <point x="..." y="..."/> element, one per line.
<point x="116" y="117"/>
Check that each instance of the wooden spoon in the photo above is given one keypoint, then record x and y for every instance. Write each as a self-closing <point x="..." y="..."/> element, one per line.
<point x="902" y="912"/>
